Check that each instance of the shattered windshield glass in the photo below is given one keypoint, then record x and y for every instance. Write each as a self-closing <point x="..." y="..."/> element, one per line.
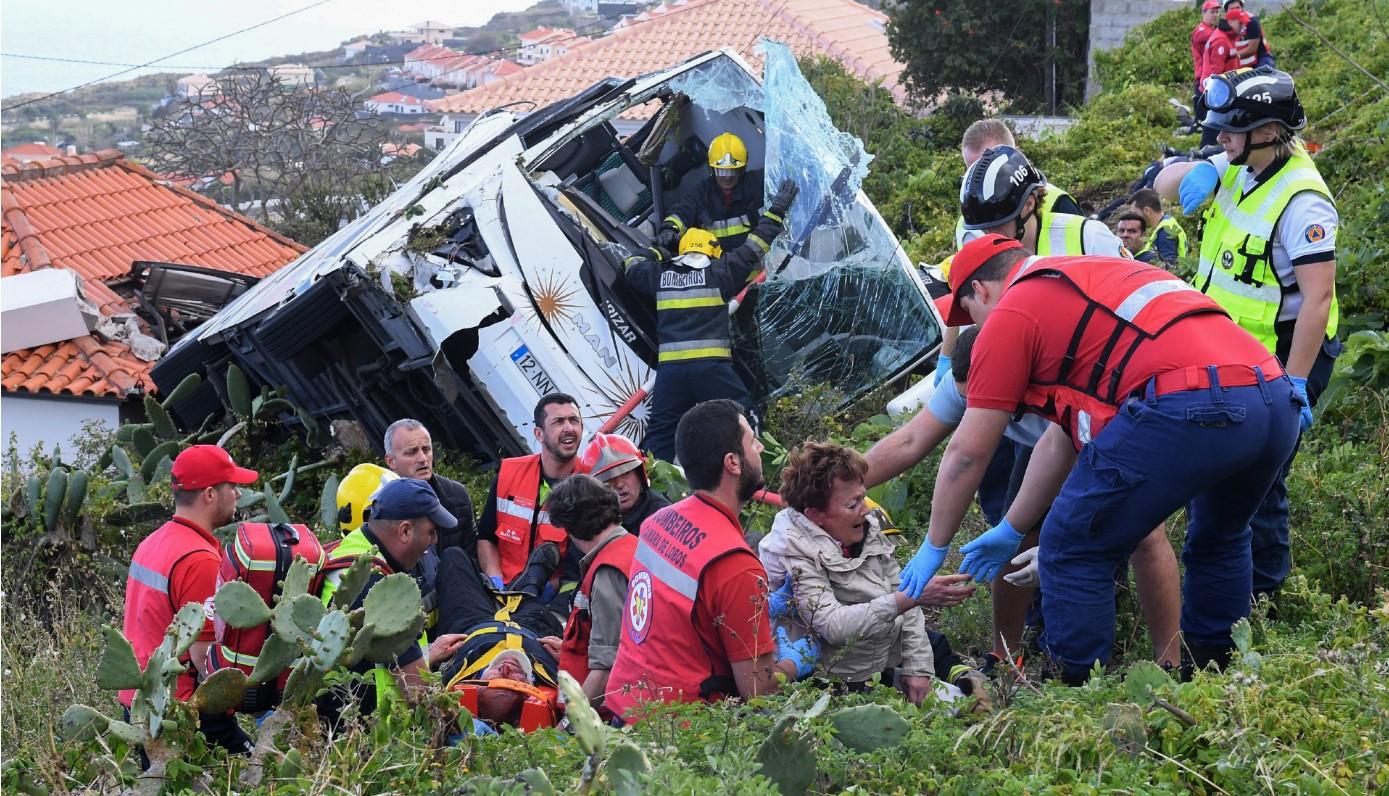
<point x="840" y="305"/>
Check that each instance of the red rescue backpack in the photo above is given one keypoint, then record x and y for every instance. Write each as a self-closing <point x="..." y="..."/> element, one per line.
<point x="259" y="555"/>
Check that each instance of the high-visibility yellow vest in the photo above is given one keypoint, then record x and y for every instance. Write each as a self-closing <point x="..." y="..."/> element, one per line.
<point x="356" y="544"/>
<point x="1060" y="234"/>
<point x="1044" y="213"/>
<point x="1174" y="229"/>
<point x="1236" y="267"/>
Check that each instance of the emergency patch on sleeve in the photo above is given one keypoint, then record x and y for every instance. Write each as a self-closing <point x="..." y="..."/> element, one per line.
<point x="1314" y="233"/>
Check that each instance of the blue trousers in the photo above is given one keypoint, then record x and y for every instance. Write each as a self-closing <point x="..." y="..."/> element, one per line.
<point x="681" y="385"/>
<point x="1270" y="540"/>
<point x="1214" y="450"/>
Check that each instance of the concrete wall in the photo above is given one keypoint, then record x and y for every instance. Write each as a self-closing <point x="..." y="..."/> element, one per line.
<point x="47" y="421"/>
<point x="1111" y="20"/>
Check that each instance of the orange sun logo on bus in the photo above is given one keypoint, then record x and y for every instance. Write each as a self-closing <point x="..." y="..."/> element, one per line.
<point x="554" y="299"/>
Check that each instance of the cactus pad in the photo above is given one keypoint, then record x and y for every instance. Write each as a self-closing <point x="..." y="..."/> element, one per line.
<point x="788" y="757"/>
<point x="143" y="440"/>
<point x="328" y="504"/>
<point x="275" y="656"/>
<point x="53" y="496"/>
<point x="625" y="768"/>
<point x="353" y="580"/>
<point x="221" y="692"/>
<point x="123" y="731"/>
<point x="164" y="427"/>
<point x="76" y="496"/>
<point x="303" y="683"/>
<point x="588" y="727"/>
<point x="187" y="624"/>
<point x="81" y="723"/>
<point x="118" y="667"/>
<point x="238" y="391"/>
<point x="383" y="649"/>
<point x="240" y="606"/>
<point x="150" y="463"/>
<point x="330" y="641"/>
<point x="392" y="604"/>
<point x="296" y="617"/>
<point x="185" y="388"/>
<point x="869" y="727"/>
<point x="273" y="510"/>
<point x="297" y="579"/>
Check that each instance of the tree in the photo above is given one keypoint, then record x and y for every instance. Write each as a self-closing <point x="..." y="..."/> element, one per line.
<point x="306" y="157"/>
<point x="1034" y="53"/>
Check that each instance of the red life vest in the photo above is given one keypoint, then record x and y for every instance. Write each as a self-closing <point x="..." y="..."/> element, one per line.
<point x="573" y="655"/>
<point x="1128" y="305"/>
<point x="539" y="710"/>
<point x="662" y="655"/>
<point x="149" y="608"/>
<point x="521" y="524"/>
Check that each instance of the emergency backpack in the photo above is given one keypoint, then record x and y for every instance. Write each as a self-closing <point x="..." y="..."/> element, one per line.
<point x="259" y="555"/>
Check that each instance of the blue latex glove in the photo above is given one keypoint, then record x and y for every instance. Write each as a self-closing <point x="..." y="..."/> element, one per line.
<point x="497" y="582"/>
<point x="1300" y="392"/>
<point x="1197" y="186"/>
<point x="801" y="652"/>
<point x="986" y="555"/>
<point x="919" y="571"/>
<point x="942" y="370"/>
<point x="782" y="602"/>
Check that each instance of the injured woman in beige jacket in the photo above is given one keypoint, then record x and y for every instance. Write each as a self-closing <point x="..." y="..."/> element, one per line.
<point x="829" y="554"/>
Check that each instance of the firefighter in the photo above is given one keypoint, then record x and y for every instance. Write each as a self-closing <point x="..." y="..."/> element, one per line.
<point x="692" y="292"/>
<point x="356" y="491"/>
<point x="727" y="203"/>
<point x="615" y="461"/>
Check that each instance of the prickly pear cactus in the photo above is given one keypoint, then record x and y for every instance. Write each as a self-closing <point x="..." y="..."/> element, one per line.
<point x="221" y="692"/>
<point x="240" y="606"/>
<point x="117" y="668"/>
<point x="787" y="757"/>
<point x="392" y="605"/>
<point x="588" y="727"/>
<point x="869" y="727"/>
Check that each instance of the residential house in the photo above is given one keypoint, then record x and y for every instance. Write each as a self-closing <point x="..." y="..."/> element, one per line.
<point x="197" y="88"/>
<point x="428" y="32"/>
<point x="449" y="128"/>
<point x="26" y="153"/>
<point x="73" y="226"/>
<point x="293" y="75"/>
<point x="394" y="102"/>
<point x="848" y="31"/>
<point x="542" y="44"/>
<point x="355" y="49"/>
<point x="579" y="7"/>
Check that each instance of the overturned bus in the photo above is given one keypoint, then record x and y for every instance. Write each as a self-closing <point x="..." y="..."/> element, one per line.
<point x="495" y="274"/>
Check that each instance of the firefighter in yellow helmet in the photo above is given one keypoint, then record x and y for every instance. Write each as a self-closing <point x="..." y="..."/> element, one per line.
<point x="691" y="292"/>
<point x="355" y="493"/>
<point x="726" y="203"/>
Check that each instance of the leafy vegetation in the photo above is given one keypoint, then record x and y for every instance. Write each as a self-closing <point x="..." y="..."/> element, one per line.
<point x="1305" y="708"/>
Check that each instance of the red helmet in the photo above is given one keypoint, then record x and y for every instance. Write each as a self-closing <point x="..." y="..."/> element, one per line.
<point x="610" y="455"/>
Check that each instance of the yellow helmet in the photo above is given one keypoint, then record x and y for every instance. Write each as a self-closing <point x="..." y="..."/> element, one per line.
<point x="878" y="516"/>
<point x="727" y="154"/>
<point x="356" y="491"/>
<point x="945" y="267"/>
<point x="698" y="247"/>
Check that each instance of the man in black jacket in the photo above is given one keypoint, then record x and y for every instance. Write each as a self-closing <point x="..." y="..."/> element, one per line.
<point x="410" y="454"/>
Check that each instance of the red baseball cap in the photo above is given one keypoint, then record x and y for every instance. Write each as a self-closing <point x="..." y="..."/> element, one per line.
<point x="1209" y="4"/>
<point x="202" y="466"/>
<point x="962" y="267"/>
<point x="1238" y="15"/>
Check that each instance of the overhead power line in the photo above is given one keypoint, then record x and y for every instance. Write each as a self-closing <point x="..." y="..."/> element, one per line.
<point x="493" y="53"/>
<point x="133" y="67"/>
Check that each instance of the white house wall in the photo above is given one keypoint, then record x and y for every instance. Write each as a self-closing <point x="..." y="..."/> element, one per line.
<point x="48" y="421"/>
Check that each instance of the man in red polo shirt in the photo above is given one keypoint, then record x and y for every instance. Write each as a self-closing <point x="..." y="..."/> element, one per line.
<point x="1210" y="18"/>
<point x="696" y="626"/>
<point x="1160" y="401"/>
<point x="177" y="565"/>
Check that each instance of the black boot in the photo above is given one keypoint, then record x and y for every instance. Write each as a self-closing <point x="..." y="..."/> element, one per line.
<point x="1199" y="656"/>
<point x="539" y="567"/>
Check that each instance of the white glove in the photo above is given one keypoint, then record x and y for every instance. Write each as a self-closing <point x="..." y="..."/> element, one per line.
<point x="1027" y="576"/>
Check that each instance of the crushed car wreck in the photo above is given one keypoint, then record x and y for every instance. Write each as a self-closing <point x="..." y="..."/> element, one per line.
<point x="495" y="274"/>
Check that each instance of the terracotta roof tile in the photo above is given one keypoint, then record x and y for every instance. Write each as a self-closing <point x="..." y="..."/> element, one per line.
<point x="96" y="214"/>
<point x="842" y="29"/>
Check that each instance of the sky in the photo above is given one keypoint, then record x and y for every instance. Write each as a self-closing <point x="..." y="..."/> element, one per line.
<point x="136" y="31"/>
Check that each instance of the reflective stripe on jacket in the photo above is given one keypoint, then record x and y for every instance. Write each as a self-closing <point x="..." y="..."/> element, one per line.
<point x="730" y="221"/>
<point x="522" y="525"/>
<point x="1236" y="267"/>
<point x="1128" y="308"/>
<point x="573" y="657"/>
<point x="692" y="303"/>
<point x="149" y="607"/>
<point x="662" y="655"/>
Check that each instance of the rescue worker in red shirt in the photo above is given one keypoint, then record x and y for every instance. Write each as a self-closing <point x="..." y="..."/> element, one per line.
<point x="1210" y="18"/>
<point x="1221" y="57"/>
<point x="515" y="528"/>
<point x="695" y="625"/>
<point x="1160" y="400"/>
<point x="588" y="511"/>
<point x="177" y="565"/>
